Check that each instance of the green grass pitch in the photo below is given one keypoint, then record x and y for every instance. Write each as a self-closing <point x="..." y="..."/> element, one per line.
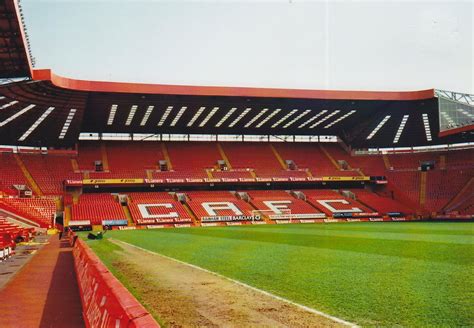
<point x="410" y="274"/>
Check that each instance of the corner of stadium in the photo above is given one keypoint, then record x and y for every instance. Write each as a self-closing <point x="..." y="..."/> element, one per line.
<point x="229" y="206"/>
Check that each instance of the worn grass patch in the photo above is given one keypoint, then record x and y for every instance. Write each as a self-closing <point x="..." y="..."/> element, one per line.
<point x="109" y="253"/>
<point x="410" y="274"/>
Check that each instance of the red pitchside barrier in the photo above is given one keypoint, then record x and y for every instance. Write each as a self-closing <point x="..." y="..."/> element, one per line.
<point x="105" y="301"/>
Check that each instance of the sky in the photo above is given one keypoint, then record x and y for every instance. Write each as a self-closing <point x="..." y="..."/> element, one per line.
<point x="327" y="45"/>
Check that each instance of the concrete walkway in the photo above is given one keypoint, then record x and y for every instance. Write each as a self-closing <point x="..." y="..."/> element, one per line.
<point x="44" y="292"/>
<point x="23" y="253"/>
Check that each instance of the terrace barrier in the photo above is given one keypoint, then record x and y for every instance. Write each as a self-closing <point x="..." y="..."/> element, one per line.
<point x="105" y="301"/>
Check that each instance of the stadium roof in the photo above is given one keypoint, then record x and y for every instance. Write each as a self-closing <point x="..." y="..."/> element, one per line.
<point x="140" y="88"/>
<point x="51" y="110"/>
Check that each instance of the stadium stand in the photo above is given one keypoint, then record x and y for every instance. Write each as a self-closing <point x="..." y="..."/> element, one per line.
<point x="428" y="192"/>
<point x="156" y="208"/>
<point x="312" y="157"/>
<point x="369" y="165"/>
<point x="411" y="161"/>
<point x="96" y="208"/>
<point x="221" y="204"/>
<point x="405" y="185"/>
<point x="381" y="204"/>
<point x="467" y="206"/>
<point x="330" y="202"/>
<point x="340" y="156"/>
<point x="442" y="185"/>
<point x="257" y="156"/>
<point x="11" y="174"/>
<point x="6" y="244"/>
<point x="88" y="153"/>
<point x="129" y="162"/>
<point x="10" y="235"/>
<point x="49" y="171"/>
<point x="193" y="159"/>
<point x="231" y="174"/>
<point x="278" y="200"/>
<point x="462" y="202"/>
<point x="459" y="158"/>
<point x="39" y="210"/>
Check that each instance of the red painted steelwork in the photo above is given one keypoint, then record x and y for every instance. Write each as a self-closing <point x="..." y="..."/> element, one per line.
<point x="122" y="87"/>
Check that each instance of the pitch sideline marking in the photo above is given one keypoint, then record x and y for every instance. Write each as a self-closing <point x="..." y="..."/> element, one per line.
<point x="301" y="306"/>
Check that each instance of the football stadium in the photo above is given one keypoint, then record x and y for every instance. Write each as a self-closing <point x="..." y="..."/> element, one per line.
<point x="129" y="204"/>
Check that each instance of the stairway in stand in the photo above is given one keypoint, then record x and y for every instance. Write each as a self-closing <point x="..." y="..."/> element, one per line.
<point x="34" y="186"/>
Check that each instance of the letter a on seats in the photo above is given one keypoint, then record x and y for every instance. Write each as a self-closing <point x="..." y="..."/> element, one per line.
<point x="212" y="207"/>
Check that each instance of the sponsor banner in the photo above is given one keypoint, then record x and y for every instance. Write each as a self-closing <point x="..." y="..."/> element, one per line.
<point x="259" y="222"/>
<point x="212" y="180"/>
<point x="283" y="221"/>
<point x="314" y="179"/>
<point x="115" y="222"/>
<point x="160" y="221"/>
<point x="194" y="180"/>
<point x="398" y="219"/>
<point x="154" y="226"/>
<point x="307" y="221"/>
<point x="111" y="181"/>
<point x="230" y="180"/>
<point x="263" y="179"/>
<point x="353" y="220"/>
<point x="62" y="152"/>
<point x="365" y="214"/>
<point x="212" y="224"/>
<point x="80" y="228"/>
<point x="331" y="220"/>
<point x="358" y="178"/>
<point x="381" y="181"/>
<point x="230" y="218"/>
<point x="175" y="180"/>
<point x="157" y="181"/>
<point x="375" y="219"/>
<point x="297" y="216"/>
<point x="180" y="225"/>
<point x="233" y="223"/>
<point x="146" y="221"/>
<point x="246" y="179"/>
<point x="342" y="215"/>
<point x="79" y="222"/>
<point x="297" y="179"/>
<point x="166" y="220"/>
<point x="394" y="214"/>
<point x="179" y="220"/>
<point x="280" y="179"/>
<point x="127" y="228"/>
<point x="105" y="301"/>
<point x="454" y="216"/>
<point x="73" y="182"/>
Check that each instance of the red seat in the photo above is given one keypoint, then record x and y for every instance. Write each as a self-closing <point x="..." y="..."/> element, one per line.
<point x="96" y="208"/>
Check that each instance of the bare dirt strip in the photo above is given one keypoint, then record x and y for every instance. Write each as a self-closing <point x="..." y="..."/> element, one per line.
<point x="185" y="296"/>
